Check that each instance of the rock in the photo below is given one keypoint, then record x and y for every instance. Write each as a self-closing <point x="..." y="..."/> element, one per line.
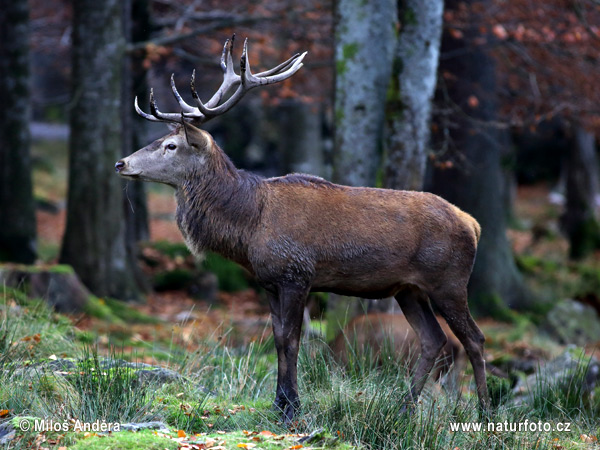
<point x="559" y="369"/>
<point x="571" y="322"/>
<point x="7" y="433"/>
<point x="158" y="375"/>
<point x="158" y="426"/>
<point x="205" y="286"/>
<point x="58" y="285"/>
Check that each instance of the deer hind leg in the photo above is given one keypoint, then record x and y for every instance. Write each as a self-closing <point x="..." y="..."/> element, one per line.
<point x="417" y="309"/>
<point x="454" y="308"/>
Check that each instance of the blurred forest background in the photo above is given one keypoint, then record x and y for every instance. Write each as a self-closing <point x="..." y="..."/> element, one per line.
<point x="492" y="104"/>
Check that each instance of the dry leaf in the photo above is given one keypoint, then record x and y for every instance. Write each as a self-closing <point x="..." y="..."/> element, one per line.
<point x="266" y="433"/>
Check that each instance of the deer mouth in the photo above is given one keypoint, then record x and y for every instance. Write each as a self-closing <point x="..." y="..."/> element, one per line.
<point x="131" y="176"/>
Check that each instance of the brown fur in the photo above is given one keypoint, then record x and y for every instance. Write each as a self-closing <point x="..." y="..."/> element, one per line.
<point x="300" y="233"/>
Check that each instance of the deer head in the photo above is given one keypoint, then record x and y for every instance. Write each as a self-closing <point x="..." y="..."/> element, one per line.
<point x="187" y="148"/>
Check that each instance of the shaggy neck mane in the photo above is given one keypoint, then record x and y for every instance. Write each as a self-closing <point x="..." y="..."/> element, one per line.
<point x="218" y="207"/>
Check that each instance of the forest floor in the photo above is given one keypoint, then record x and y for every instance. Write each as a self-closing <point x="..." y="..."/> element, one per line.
<point x="225" y="352"/>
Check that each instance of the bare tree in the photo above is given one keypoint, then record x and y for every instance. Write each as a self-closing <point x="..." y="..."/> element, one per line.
<point x="17" y="211"/>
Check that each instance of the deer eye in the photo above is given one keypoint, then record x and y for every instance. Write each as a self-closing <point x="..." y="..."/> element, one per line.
<point x="171" y="146"/>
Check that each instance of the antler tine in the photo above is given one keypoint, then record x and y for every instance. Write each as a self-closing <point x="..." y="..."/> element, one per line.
<point x="230" y="78"/>
<point x="244" y="82"/>
<point x="281" y="67"/>
<point x="184" y="106"/>
<point x="143" y="114"/>
<point x="252" y="81"/>
<point x="163" y="117"/>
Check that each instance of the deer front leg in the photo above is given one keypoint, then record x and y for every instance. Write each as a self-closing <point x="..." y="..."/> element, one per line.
<point x="287" y="307"/>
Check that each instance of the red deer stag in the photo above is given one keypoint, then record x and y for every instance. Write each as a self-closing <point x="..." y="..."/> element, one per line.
<point x="299" y="233"/>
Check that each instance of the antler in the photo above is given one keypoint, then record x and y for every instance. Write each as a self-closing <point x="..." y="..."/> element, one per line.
<point x="243" y="83"/>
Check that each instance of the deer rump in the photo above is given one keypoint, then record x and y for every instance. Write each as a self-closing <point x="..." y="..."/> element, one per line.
<point x="379" y="335"/>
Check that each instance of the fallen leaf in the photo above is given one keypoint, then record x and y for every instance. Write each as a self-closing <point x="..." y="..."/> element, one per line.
<point x="266" y="433"/>
<point x="588" y="439"/>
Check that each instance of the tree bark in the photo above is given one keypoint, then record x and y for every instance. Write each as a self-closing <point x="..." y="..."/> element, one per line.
<point x="136" y="27"/>
<point x="94" y="242"/>
<point x="365" y="41"/>
<point x="475" y="182"/>
<point x="409" y="99"/>
<point x="17" y="208"/>
<point x="299" y="139"/>
<point x="579" y="219"/>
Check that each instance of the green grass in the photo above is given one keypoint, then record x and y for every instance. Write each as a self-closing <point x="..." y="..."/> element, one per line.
<point x="146" y="440"/>
<point x="230" y="390"/>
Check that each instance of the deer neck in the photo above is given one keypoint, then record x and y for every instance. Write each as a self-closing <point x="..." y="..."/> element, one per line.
<point x="218" y="209"/>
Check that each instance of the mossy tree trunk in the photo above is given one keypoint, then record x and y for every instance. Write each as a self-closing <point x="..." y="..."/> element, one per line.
<point x="475" y="183"/>
<point x="412" y="88"/>
<point x="17" y="208"/>
<point x="365" y="41"/>
<point x="582" y="171"/>
<point x="94" y="242"/>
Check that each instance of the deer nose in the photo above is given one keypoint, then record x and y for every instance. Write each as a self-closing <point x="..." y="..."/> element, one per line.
<point x="119" y="165"/>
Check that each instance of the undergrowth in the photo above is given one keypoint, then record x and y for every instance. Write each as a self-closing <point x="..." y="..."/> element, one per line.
<point x="365" y="405"/>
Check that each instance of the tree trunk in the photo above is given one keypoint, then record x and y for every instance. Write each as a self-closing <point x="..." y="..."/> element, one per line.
<point x="475" y="181"/>
<point x="579" y="219"/>
<point x="94" y="242"/>
<point x="136" y="27"/>
<point x="17" y="208"/>
<point x="365" y="42"/>
<point x="299" y="139"/>
<point x="409" y="100"/>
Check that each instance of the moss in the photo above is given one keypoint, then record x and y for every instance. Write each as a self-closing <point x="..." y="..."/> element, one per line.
<point x="340" y="67"/>
<point x="231" y="277"/>
<point x="349" y="51"/>
<point x="148" y="440"/>
<point x="97" y="307"/>
<point x="409" y="17"/>
<point x="171" y="249"/>
<point x="128" y="314"/>
<point x="61" y="268"/>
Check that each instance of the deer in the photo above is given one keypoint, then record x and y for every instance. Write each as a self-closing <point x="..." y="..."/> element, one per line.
<point x="299" y="233"/>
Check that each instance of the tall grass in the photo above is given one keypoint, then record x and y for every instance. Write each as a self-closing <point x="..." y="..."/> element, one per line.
<point x="226" y="388"/>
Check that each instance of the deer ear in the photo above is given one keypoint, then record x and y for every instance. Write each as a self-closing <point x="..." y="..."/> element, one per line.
<point x="195" y="137"/>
